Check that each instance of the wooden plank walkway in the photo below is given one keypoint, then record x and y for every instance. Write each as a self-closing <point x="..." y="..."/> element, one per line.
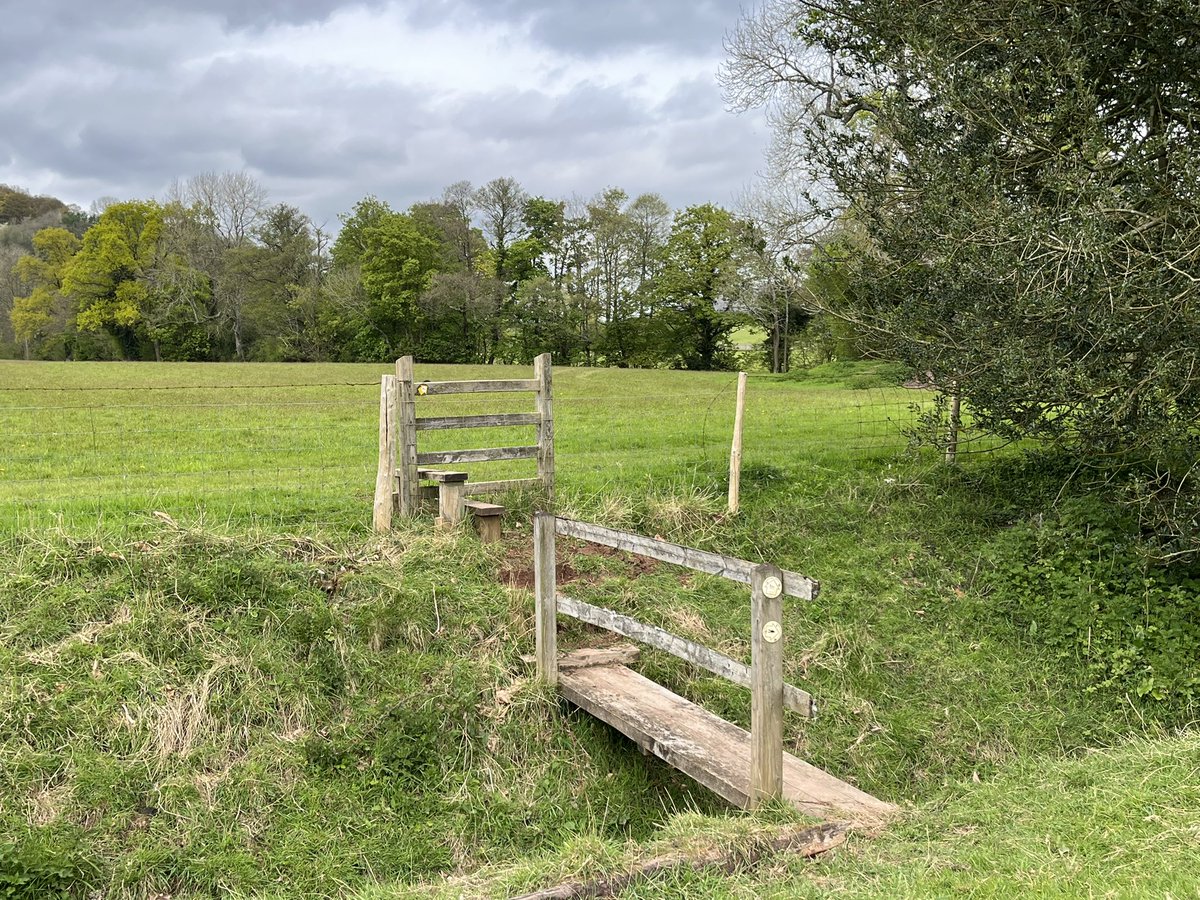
<point x="705" y="747"/>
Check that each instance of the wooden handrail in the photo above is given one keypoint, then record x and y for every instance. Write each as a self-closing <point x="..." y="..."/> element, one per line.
<point x="730" y="567"/>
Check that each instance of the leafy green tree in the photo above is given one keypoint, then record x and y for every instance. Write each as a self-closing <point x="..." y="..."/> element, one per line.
<point x="701" y="276"/>
<point x="110" y="277"/>
<point x="457" y="308"/>
<point x="543" y="321"/>
<point x="17" y="205"/>
<point x="35" y="313"/>
<point x="1024" y="175"/>
<point x="400" y="260"/>
<point x="351" y="245"/>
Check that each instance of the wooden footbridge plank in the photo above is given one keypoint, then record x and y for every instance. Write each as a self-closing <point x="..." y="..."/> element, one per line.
<point x="705" y="747"/>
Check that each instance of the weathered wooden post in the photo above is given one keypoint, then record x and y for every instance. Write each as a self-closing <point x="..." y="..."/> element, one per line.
<point x="406" y="469"/>
<point x="451" y="495"/>
<point x="545" y="592"/>
<point x="955" y="424"/>
<point x="542" y="374"/>
<point x="766" y="687"/>
<point x="385" y="478"/>
<point x="735" y="454"/>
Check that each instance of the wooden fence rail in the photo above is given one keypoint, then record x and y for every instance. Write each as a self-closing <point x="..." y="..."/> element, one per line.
<point x="769" y="696"/>
<point x="397" y="488"/>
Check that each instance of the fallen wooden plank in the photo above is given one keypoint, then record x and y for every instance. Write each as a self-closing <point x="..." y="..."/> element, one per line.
<point x="482" y="454"/>
<point x="705" y="747"/>
<point x="475" y="387"/>
<point x="497" y="420"/>
<point x="730" y="567"/>
<point x="805" y="843"/>
<point x="706" y="658"/>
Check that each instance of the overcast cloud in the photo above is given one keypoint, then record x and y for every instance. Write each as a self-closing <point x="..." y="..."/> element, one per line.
<point x="326" y="102"/>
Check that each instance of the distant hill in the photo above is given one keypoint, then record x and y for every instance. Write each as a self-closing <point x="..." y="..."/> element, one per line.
<point x="17" y="204"/>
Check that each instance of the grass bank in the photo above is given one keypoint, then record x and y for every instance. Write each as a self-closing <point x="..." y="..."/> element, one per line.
<point x="258" y="701"/>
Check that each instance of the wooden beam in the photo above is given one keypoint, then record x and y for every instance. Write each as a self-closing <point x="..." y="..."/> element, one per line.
<point x="697" y="654"/>
<point x="496" y="420"/>
<point x="766" y="689"/>
<point x="450" y="503"/>
<point x="384" y="507"/>
<point x="543" y="375"/>
<point x="483" y="454"/>
<point x="495" y="487"/>
<point x="730" y="567"/>
<point x="544" y="590"/>
<point x="407" y="437"/>
<point x="475" y="387"/>
<point x="735" y="453"/>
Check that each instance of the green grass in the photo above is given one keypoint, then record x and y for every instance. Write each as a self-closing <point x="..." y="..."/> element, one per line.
<point x="1115" y="823"/>
<point x="250" y="694"/>
<point x="296" y="445"/>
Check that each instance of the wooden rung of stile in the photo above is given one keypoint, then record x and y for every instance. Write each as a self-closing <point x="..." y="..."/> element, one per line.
<point x="441" y="476"/>
<point x="495" y="420"/>
<point x="481" y="454"/>
<point x="432" y="388"/>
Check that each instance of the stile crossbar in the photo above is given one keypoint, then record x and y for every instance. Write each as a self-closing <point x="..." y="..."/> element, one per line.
<point x="397" y="487"/>
<point x="714" y="752"/>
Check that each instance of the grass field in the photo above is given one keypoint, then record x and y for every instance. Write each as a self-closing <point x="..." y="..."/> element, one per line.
<point x="252" y="695"/>
<point x="298" y="443"/>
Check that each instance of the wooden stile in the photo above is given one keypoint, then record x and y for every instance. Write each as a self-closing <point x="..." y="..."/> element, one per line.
<point x="407" y="460"/>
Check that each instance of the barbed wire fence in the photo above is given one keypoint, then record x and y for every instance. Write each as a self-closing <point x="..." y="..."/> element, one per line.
<point x="303" y="454"/>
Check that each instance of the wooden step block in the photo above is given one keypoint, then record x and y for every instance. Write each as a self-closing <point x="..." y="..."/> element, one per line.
<point x="705" y="747"/>
<point x="441" y="476"/>
<point x="487" y="518"/>
<point x="479" y="508"/>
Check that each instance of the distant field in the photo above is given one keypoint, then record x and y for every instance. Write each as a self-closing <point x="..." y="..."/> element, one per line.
<point x="298" y="443"/>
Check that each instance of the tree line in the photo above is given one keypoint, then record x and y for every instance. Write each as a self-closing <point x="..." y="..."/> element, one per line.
<point x="215" y="271"/>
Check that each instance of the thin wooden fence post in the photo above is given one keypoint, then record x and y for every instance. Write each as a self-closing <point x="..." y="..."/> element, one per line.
<point x="766" y="690"/>
<point x="735" y="454"/>
<point x="410" y="501"/>
<point x="543" y="375"/>
<point x="385" y="478"/>
<point x="955" y="424"/>
<point x="545" y="592"/>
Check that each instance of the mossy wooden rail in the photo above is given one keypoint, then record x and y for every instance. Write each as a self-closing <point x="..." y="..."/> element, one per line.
<point x="397" y="485"/>
<point x="746" y="768"/>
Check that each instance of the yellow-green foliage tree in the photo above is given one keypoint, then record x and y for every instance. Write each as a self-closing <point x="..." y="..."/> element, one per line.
<point x="111" y="277"/>
<point x="34" y="314"/>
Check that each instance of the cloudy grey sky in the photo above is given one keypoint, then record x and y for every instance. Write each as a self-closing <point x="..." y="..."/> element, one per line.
<point x="326" y="101"/>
